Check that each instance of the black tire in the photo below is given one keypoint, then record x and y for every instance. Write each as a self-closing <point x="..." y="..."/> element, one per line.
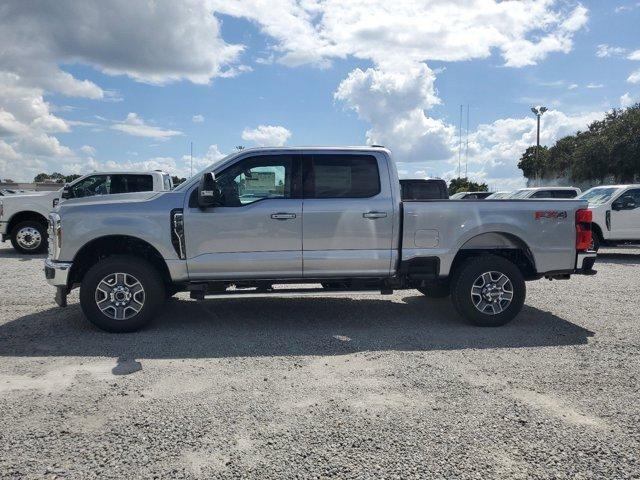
<point x="21" y="241"/>
<point x="140" y="270"/>
<point x="436" y="289"/>
<point x="465" y="302"/>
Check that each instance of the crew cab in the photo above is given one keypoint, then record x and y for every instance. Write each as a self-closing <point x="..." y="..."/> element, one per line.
<point x="23" y="217"/>
<point x="546" y="192"/>
<point x="263" y="221"/>
<point x="616" y="214"/>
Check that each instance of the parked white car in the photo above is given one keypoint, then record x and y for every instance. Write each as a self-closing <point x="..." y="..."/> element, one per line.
<point x="23" y="217"/>
<point x="616" y="214"/>
<point x="546" y="192"/>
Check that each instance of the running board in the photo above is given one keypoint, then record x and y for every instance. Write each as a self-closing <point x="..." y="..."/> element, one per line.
<point x="286" y="293"/>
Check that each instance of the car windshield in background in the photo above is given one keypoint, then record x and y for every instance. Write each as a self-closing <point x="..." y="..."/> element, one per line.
<point x="598" y="195"/>
<point x="520" y="194"/>
<point x="498" y="195"/>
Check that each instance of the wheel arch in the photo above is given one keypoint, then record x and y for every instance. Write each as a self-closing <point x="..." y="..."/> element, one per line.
<point x="503" y="244"/>
<point x="25" y="216"/>
<point x="110" y="245"/>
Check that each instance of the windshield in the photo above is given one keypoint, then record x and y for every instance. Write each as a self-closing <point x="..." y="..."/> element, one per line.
<point x="189" y="180"/>
<point x="520" y="194"/>
<point x="457" y="196"/>
<point x="598" y="195"/>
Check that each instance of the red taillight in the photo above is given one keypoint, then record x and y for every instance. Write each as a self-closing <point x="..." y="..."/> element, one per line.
<point x="583" y="229"/>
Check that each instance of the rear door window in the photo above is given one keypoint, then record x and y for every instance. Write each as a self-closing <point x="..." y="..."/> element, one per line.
<point x="543" y="194"/>
<point x="341" y="176"/>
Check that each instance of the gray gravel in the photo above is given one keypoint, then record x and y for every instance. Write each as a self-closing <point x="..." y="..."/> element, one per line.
<point x="348" y="387"/>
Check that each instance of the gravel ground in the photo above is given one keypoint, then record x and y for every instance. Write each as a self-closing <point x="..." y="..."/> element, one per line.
<point x="362" y="386"/>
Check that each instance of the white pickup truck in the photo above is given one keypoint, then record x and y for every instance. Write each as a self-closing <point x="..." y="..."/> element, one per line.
<point x="321" y="216"/>
<point x="616" y="214"/>
<point x="23" y="217"/>
<point x="545" y="192"/>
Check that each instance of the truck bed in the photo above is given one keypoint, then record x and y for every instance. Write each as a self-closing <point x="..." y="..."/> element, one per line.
<point x="440" y="228"/>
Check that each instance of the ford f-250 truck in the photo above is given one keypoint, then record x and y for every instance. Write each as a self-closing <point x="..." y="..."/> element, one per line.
<point x="23" y="218"/>
<point x="330" y="216"/>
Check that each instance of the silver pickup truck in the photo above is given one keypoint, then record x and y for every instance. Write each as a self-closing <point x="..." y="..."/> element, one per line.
<point x="266" y="221"/>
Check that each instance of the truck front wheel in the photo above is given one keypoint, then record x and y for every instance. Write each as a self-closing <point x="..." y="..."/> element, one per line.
<point x="489" y="290"/>
<point x="121" y="293"/>
<point x="29" y="237"/>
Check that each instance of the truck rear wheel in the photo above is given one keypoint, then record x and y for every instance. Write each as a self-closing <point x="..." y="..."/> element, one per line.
<point x="121" y="294"/>
<point x="29" y="237"/>
<point x="489" y="291"/>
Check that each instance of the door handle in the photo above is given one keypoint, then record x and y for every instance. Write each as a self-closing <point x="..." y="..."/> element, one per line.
<point x="283" y="216"/>
<point x="374" y="215"/>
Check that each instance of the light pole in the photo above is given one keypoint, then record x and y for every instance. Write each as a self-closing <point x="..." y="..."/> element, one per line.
<point x="538" y="111"/>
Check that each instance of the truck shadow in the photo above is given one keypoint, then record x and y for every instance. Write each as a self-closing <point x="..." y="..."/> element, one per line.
<point x="618" y="258"/>
<point x="11" y="253"/>
<point x="254" y="327"/>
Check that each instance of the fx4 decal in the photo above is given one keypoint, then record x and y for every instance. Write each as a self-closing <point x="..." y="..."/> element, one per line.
<point x="557" y="214"/>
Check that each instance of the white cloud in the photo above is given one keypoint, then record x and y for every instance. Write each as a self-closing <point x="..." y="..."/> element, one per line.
<point x="197" y="118"/>
<point x="635" y="55"/>
<point x="495" y="148"/>
<point x="312" y="32"/>
<point x="594" y="85"/>
<point x="267" y="135"/>
<point x="134" y="125"/>
<point x="154" y="42"/>
<point x="627" y="100"/>
<point x="573" y="86"/>
<point x="393" y="99"/>
<point x="627" y="8"/>
<point x="606" y="50"/>
<point x="634" y="77"/>
<point x="88" y="150"/>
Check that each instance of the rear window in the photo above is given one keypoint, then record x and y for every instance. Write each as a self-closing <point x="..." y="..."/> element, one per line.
<point x="423" y="189"/>
<point x="565" y="194"/>
<point x="341" y="176"/>
<point x="131" y="183"/>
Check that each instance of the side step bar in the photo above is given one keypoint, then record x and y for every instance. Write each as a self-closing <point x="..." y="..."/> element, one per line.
<point x="285" y="292"/>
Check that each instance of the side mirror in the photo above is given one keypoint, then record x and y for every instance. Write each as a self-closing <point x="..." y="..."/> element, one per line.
<point x="208" y="191"/>
<point x="66" y="192"/>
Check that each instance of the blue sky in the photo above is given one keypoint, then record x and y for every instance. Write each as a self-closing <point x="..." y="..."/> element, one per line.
<point x="116" y="84"/>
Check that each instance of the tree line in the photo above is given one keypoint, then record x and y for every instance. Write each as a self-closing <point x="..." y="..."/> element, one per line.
<point x="608" y="151"/>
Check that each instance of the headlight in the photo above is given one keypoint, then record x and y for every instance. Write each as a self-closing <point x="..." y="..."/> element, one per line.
<point x="55" y="235"/>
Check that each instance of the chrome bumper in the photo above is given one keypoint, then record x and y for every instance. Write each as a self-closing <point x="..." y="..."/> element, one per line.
<point x="57" y="273"/>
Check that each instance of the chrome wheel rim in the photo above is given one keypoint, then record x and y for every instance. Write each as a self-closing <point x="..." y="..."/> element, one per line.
<point x="29" y="238"/>
<point x="492" y="293"/>
<point x="120" y="296"/>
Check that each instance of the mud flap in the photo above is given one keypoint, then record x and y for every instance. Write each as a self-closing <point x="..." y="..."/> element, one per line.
<point x="61" y="296"/>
